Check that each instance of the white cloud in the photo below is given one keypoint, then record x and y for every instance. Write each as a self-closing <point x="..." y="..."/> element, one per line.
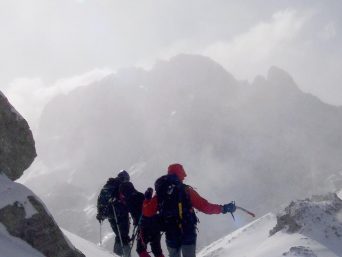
<point x="30" y="95"/>
<point x="184" y="46"/>
<point x="329" y="31"/>
<point x="251" y="53"/>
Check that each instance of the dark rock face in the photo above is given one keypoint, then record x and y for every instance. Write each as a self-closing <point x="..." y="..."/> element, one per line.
<point x="17" y="148"/>
<point x="40" y="230"/>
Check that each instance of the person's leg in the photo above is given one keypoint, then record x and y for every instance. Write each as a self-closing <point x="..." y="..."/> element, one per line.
<point x="124" y="231"/>
<point x="142" y="245"/>
<point x="121" y="246"/>
<point x="117" y="248"/>
<point x="174" y="252"/>
<point x="189" y="238"/>
<point x="155" y="245"/>
<point x="189" y="250"/>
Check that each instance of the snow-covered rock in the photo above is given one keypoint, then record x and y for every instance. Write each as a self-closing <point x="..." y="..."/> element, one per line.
<point x="309" y="228"/>
<point x="13" y="247"/>
<point x="24" y="216"/>
<point x="315" y="218"/>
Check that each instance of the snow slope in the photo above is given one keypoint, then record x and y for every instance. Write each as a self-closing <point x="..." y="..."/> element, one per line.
<point x="318" y="233"/>
<point x="242" y="241"/>
<point x="253" y="240"/>
<point x="87" y="248"/>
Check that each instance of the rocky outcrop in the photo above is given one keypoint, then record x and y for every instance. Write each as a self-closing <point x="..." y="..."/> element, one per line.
<point x="21" y="212"/>
<point x="318" y="218"/>
<point x="17" y="150"/>
<point x="300" y="215"/>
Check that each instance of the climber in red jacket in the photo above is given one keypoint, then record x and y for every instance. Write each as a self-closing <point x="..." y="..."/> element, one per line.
<point x="174" y="203"/>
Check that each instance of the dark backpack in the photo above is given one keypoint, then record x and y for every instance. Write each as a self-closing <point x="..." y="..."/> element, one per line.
<point x="174" y="205"/>
<point x="109" y="191"/>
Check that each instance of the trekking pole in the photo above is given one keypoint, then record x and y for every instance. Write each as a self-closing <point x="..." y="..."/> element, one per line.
<point x="135" y="232"/>
<point x="100" y="233"/>
<point x="246" y="211"/>
<point x="117" y="227"/>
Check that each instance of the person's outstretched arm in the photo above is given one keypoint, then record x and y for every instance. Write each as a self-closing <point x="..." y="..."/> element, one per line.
<point x="202" y="204"/>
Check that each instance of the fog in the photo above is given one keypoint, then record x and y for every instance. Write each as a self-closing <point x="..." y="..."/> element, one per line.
<point x="262" y="144"/>
<point x="105" y="86"/>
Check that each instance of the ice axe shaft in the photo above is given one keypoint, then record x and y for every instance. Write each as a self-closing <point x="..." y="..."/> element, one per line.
<point x="246" y="211"/>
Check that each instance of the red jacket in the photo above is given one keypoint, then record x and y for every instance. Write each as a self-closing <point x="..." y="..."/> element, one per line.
<point x="150" y="207"/>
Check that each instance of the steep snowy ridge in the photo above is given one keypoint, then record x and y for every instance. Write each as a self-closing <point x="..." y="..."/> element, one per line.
<point x="310" y="227"/>
<point x="88" y="248"/>
<point x="244" y="240"/>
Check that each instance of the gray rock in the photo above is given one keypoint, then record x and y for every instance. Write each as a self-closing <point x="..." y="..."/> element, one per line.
<point x="300" y="251"/>
<point x="17" y="147"/>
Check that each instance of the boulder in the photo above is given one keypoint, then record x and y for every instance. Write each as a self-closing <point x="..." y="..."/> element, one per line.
<point x="17" y="148"/>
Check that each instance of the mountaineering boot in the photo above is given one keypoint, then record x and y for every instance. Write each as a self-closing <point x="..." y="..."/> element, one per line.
<point x="126" y="250"/>
<point x="117" y="248"/>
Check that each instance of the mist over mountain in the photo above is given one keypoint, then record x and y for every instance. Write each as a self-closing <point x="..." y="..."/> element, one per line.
<point x="261" y="143"/>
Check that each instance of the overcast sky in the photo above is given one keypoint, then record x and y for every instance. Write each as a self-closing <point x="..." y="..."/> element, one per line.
<point x="60" y="43"/>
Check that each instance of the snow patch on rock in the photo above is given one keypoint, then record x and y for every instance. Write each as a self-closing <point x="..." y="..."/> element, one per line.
<point x="15" y="193"/>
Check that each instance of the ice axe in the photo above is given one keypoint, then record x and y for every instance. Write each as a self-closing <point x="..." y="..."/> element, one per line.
<point x="242" y="209"/>
<point x="246" y="211"/>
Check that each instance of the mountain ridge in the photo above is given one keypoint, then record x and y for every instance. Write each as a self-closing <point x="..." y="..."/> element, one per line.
<point x="263" y="136"/>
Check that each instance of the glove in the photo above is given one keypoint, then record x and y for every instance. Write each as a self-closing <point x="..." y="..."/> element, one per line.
<point x="230" y="207"/>
<point x="112" y="200"/>
<point x="99" y="217"/>
<point x="148" y="193"/>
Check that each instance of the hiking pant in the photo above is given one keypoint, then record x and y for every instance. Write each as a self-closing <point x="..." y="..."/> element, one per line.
<point x="146" y="236"/>
<point x="184" y="240"/>
<point x="124" y="231"/>
<point x="118" y="250"/>
<point x="187" y="251"/>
